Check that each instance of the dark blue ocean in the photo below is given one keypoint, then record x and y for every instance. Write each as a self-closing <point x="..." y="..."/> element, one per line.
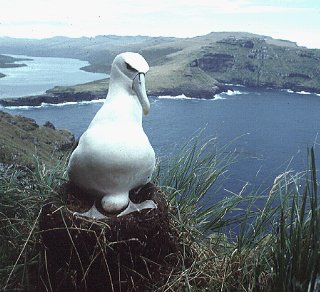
<point x="270" y="129"/>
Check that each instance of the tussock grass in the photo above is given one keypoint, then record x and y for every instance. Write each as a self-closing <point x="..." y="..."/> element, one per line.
<point x="22" y="193"/>
<point x="276" y="247"/>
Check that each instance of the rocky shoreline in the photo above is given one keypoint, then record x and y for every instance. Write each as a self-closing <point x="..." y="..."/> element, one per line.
<point x="53" y="97"/>
<point x="198" y="67"/>
<point x="49" y="98"/>
<point x="59" y="97"/>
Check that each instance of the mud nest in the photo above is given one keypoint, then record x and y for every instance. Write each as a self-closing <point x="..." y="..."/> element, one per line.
<point x="129" y="253"/>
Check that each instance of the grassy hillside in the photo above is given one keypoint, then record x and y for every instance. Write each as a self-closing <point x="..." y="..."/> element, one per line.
<point x="99" y="51"/>
<point x="274" y="246"/>
<point x="201" y="66"/>
<point x="237" y="58"/>
<point x="22" y="139"/>
<point x="198" y="67"/>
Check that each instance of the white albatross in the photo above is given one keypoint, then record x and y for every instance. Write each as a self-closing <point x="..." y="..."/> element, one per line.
<point x="114" y="154"/>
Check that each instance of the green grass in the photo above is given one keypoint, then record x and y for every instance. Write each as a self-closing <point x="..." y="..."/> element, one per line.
<point x="22" y="193"/>
<point x="277" y="247"/>
<point x="22" y="139"/>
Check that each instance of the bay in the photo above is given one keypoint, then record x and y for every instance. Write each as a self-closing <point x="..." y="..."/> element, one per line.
<point x="41" y="74"/>
<point x="271" y="129"/>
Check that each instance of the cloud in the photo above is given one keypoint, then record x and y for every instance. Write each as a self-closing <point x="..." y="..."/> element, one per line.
<point x="72" y="10"/>
<point x="45" y="18"/>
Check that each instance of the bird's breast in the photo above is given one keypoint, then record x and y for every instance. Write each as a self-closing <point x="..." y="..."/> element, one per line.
<point x="116" y="147"/>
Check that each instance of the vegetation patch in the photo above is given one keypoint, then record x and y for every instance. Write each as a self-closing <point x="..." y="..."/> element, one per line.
<point x="197" y="67"/>
<point x="276" y="246"/>
<point x="22" y="139"/>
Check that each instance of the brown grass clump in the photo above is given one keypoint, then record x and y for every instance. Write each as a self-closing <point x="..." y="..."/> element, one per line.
<point x="129" y="253"/>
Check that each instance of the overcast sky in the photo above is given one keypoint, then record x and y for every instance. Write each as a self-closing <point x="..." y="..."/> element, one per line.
<point x="295" y="20"/>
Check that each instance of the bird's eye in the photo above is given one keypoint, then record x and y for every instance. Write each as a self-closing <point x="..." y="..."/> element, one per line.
<point x="130" y="68"/>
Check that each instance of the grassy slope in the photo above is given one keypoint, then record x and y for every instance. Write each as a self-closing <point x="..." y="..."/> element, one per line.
<point x="276" y="247"/>
<point x="22" y="138"/>
<point x="267" y="63"/>
<point x="172" y="70"/>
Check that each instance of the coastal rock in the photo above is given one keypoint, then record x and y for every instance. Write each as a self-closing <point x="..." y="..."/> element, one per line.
<point x="49" y="125"/>
<point x="24" y="123"/>
<point x="243" y="42"/>
<point x="296" y="87"/>
<point x="49" y="98"/>
<point x="214" y="62"/>
<point x="261" y="53"/>
<point x="299" y="75"/>
<point x="67" y="145"/>
<point x="309" y="55"/>
<point x="250" y="66"/>
<point x="22" y="139"/>
<point x="71" y="96"/>
<point x="189" y="92"/>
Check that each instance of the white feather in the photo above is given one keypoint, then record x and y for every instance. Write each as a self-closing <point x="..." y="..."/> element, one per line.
<point x="114" y="154"/>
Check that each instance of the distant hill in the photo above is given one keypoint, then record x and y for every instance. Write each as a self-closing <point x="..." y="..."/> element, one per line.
<point x="234" y="58"/>
<point x="200" y="66"/>
<point x="8" y="62"/>
<point x="99" y="51"/>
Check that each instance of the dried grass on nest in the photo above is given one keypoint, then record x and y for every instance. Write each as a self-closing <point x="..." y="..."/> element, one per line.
<point x="132" y="252"/>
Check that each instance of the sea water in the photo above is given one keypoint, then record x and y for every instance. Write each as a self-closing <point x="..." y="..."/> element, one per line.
<point x="270" y="130"/>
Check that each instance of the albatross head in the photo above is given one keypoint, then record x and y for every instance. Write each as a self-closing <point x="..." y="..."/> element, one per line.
<point x="130" y="69"/>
